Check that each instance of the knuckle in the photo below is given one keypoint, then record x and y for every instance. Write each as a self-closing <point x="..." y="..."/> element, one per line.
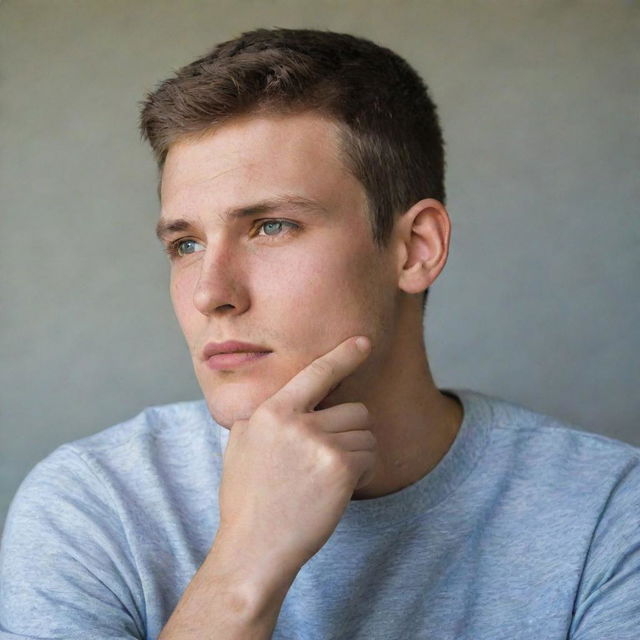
<point x="270" y="413"/>
<point x="360" y="414"/>
<point x="322" y="368"/>
<point x="362" y="408"/>
<point x="283" y="400"/>
<point x="300" y="424"/>
<point x="332" y="460"/>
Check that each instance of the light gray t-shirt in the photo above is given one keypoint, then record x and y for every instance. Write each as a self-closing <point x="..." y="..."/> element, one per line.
<point x="528" y="528"/>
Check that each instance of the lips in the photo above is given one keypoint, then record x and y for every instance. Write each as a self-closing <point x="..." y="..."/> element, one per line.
<point x="232" y="354"/>
<point x="231" y="346"/>
<point x="226" y="361"/>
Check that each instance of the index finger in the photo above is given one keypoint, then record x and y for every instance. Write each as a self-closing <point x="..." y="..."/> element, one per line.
<point x="309" y="386"/>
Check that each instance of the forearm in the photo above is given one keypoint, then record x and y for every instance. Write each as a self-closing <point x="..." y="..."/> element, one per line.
<point x="230" y="597"/>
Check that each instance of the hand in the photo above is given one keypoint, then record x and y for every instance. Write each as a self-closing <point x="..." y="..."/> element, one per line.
<point x="289" y="471"/>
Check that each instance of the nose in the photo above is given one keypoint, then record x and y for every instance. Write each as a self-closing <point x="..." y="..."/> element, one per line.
<point x="220" y="287"/>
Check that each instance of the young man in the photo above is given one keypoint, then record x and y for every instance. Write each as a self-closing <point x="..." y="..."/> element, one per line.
<point x="325" y="487"/>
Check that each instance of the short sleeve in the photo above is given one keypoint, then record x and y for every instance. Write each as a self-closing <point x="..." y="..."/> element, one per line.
<point x="65" y="571"/>
<point x="608" y="599"/>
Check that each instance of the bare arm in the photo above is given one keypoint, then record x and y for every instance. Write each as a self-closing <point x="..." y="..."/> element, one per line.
<point x="289" y="474"/>
<point x="232" y="596"/>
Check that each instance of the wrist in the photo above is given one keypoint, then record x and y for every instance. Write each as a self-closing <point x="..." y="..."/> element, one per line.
<point x="254" y="581"/>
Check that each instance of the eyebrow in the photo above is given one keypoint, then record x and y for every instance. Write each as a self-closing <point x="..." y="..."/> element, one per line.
<point x="166" y="227"/>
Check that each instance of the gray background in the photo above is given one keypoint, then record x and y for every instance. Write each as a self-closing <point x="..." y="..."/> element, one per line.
<point x="538" y="303"/>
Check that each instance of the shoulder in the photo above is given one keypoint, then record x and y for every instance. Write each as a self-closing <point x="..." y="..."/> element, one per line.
<point x="552" y="465"/>
<point x="69" y="545"/>
<point x="94" y="469"/>
<point x="154" y="436"/>
<point x="542" y="437"/>
<point x="166" y="421"/>
<point x="555" y="467"/>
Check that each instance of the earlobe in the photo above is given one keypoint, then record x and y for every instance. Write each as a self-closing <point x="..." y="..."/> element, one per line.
<point x="413" y="278"/>
<point x="424" y="233"/>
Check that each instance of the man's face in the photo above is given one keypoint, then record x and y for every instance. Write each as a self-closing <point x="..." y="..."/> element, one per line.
<point x="295" y="270"/>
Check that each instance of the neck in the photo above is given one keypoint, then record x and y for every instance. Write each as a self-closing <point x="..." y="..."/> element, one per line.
<point x="414" y="423"/>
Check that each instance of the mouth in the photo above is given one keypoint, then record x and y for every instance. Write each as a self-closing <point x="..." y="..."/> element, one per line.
<point x="226" y="361"/>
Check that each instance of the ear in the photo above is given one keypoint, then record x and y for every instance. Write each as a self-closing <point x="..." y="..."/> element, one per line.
<point x="422" y="236"/>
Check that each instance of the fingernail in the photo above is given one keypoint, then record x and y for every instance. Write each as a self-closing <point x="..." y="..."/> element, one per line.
<point x="362" y="343"/>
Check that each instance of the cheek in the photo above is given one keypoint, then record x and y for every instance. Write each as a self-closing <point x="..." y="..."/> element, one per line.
<point x="326" y="294"/>
<point x="306" y="282"/>
<point x="181" y="291"/>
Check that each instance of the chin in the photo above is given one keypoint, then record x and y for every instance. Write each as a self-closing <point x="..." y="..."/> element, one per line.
<point x="237" y="399"/>
<point x="233" y="405"/>
<point x="225" y="414"/>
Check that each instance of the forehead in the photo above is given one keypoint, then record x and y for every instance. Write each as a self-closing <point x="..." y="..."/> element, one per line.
<point x="256" y="158"/>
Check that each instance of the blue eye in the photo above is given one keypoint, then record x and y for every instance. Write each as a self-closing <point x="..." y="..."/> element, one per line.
<point x="275" y="225"/>
<point x="273" y="229"/>
<point x="185" y="247"/>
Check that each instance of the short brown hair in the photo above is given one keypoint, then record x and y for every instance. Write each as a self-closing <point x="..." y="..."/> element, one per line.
<point x="390" y="134"/>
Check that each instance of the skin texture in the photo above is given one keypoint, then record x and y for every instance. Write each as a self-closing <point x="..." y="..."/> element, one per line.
<point x="317" y="422"/>
<point x="289" y="473"/>
<point x="300" y="292"/>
